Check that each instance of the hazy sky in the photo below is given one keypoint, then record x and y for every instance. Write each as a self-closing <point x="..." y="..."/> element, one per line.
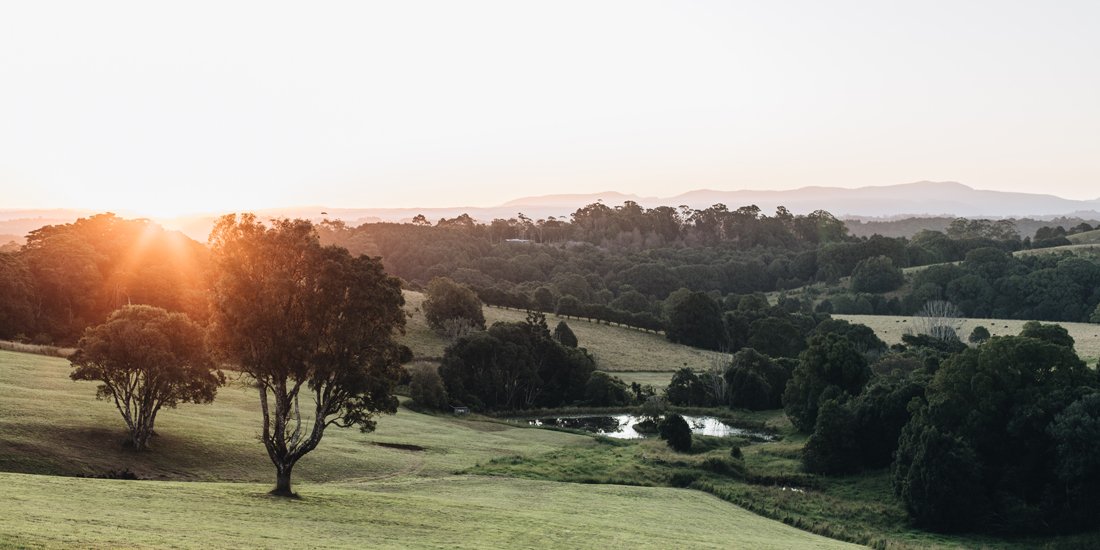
<point x="192" y="106"/>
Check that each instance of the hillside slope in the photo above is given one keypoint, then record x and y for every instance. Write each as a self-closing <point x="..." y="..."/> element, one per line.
<point x="356" y="491"/>
<point x="616" y="349"/>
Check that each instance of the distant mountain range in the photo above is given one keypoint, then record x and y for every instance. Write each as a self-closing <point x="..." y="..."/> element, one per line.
<point x="924" y="198"/>
<point x="920" y="199"/>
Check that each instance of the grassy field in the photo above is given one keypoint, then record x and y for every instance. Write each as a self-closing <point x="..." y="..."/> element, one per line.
<point x="769" y="481"/>
<point x="449" y="512"/>
<point x="1085" y="249"/>
<point x="206" y="477"/>
<point x="52" y="425"/>
<point x="616" y="349"/>
<point x="890" y="328"/>
<point x="1088" y="237"/>
<point x="658" y="379"/>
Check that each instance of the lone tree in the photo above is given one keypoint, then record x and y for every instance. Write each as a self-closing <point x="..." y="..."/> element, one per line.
<point x="939" y="319"/>
<point x="450" y="300"/>
<point x="299" y="317"/>
<point x="146" y="358"/>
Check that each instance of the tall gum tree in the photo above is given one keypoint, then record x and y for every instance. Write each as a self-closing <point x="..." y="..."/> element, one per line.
<point x="300" y="318"/>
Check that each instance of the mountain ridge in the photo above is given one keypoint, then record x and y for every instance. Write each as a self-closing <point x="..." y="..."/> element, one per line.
<point x="914" y="199"/>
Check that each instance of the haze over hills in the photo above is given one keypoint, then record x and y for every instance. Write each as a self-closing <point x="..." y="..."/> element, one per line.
<point x="924" y="198"/>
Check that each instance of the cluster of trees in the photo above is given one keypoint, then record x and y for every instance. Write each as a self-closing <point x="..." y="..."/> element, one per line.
<point x="760" y="377"/>
<point x="998" y="437"/>
<point x="1048" y="236"/>
<point x="992" y="283"/>
<point x="987" y="282"/>
<point x="1003" y="442"/>
<point x="516" y="366"/>
<point x="311" y="326"/>
<point x="68" y="277"/>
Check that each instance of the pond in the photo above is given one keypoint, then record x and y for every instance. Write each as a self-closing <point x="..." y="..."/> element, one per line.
<point x="622" y="426"/>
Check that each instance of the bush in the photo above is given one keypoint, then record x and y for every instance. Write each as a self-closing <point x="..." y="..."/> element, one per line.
<point x="604" y="390"/>
<point x="878" y="274"/>
<point x="450" y="300"/>
<point x="979" y="335"/>
<point x="564" y="335"/>
<point x="833" y="448"/>
<point x="696" y="320"/>
<point x="426" y="386"/>
<point x="755" y="381"/>
<point x="831" y="364"/>
<point x="939" y="480"/>
<point x="722" y="466"/>
<point x="686" y="389"/>
<point x="676" y="432"/>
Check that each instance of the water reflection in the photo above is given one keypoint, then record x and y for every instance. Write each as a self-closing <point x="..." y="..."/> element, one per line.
<point x="622" y="426"/>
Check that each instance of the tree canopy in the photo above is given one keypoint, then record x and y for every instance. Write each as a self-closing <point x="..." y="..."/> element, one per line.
<point x="300" y="317"/>
<point x="981" y="453"/>
<point x="146" y="358"/>
<point x="447" y="300"/>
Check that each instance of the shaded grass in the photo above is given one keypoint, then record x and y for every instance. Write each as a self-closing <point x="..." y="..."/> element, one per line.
<point x="52" y="425"/>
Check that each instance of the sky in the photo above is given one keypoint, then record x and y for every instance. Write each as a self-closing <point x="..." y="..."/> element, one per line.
<point x="174" y="108"/>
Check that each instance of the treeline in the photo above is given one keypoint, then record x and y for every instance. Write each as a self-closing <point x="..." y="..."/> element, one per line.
<point x="992" y="283"/>
<point x="908" y="227"/>
<point x="621" y="264"/>
<point x="67" y="277"/>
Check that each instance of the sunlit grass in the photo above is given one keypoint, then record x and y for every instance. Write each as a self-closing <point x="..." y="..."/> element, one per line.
<point x="615" y="348"/>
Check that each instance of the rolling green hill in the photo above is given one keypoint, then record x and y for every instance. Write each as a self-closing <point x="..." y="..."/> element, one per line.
<point x="616" y="349"/>
<point x="633" y="355"/>
<point x="1088" y="237"/>
<point x="207" y="477"/>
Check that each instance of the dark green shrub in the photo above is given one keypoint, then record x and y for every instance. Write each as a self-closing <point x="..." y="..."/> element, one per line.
<point x="676" y="432"/>
<point x="831" y="364"/>
<point x="683" y="479"/>
<point x="564" y="335"/>
<point x="604" y="390"/>
<point x="979" y="335"/>
<point x="426" y="386"/>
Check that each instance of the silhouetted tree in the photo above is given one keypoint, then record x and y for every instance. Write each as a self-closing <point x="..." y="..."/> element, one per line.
<point x="298" y="317"/>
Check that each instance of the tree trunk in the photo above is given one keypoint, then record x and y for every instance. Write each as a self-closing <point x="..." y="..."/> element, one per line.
<point x="282" y="481"/>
